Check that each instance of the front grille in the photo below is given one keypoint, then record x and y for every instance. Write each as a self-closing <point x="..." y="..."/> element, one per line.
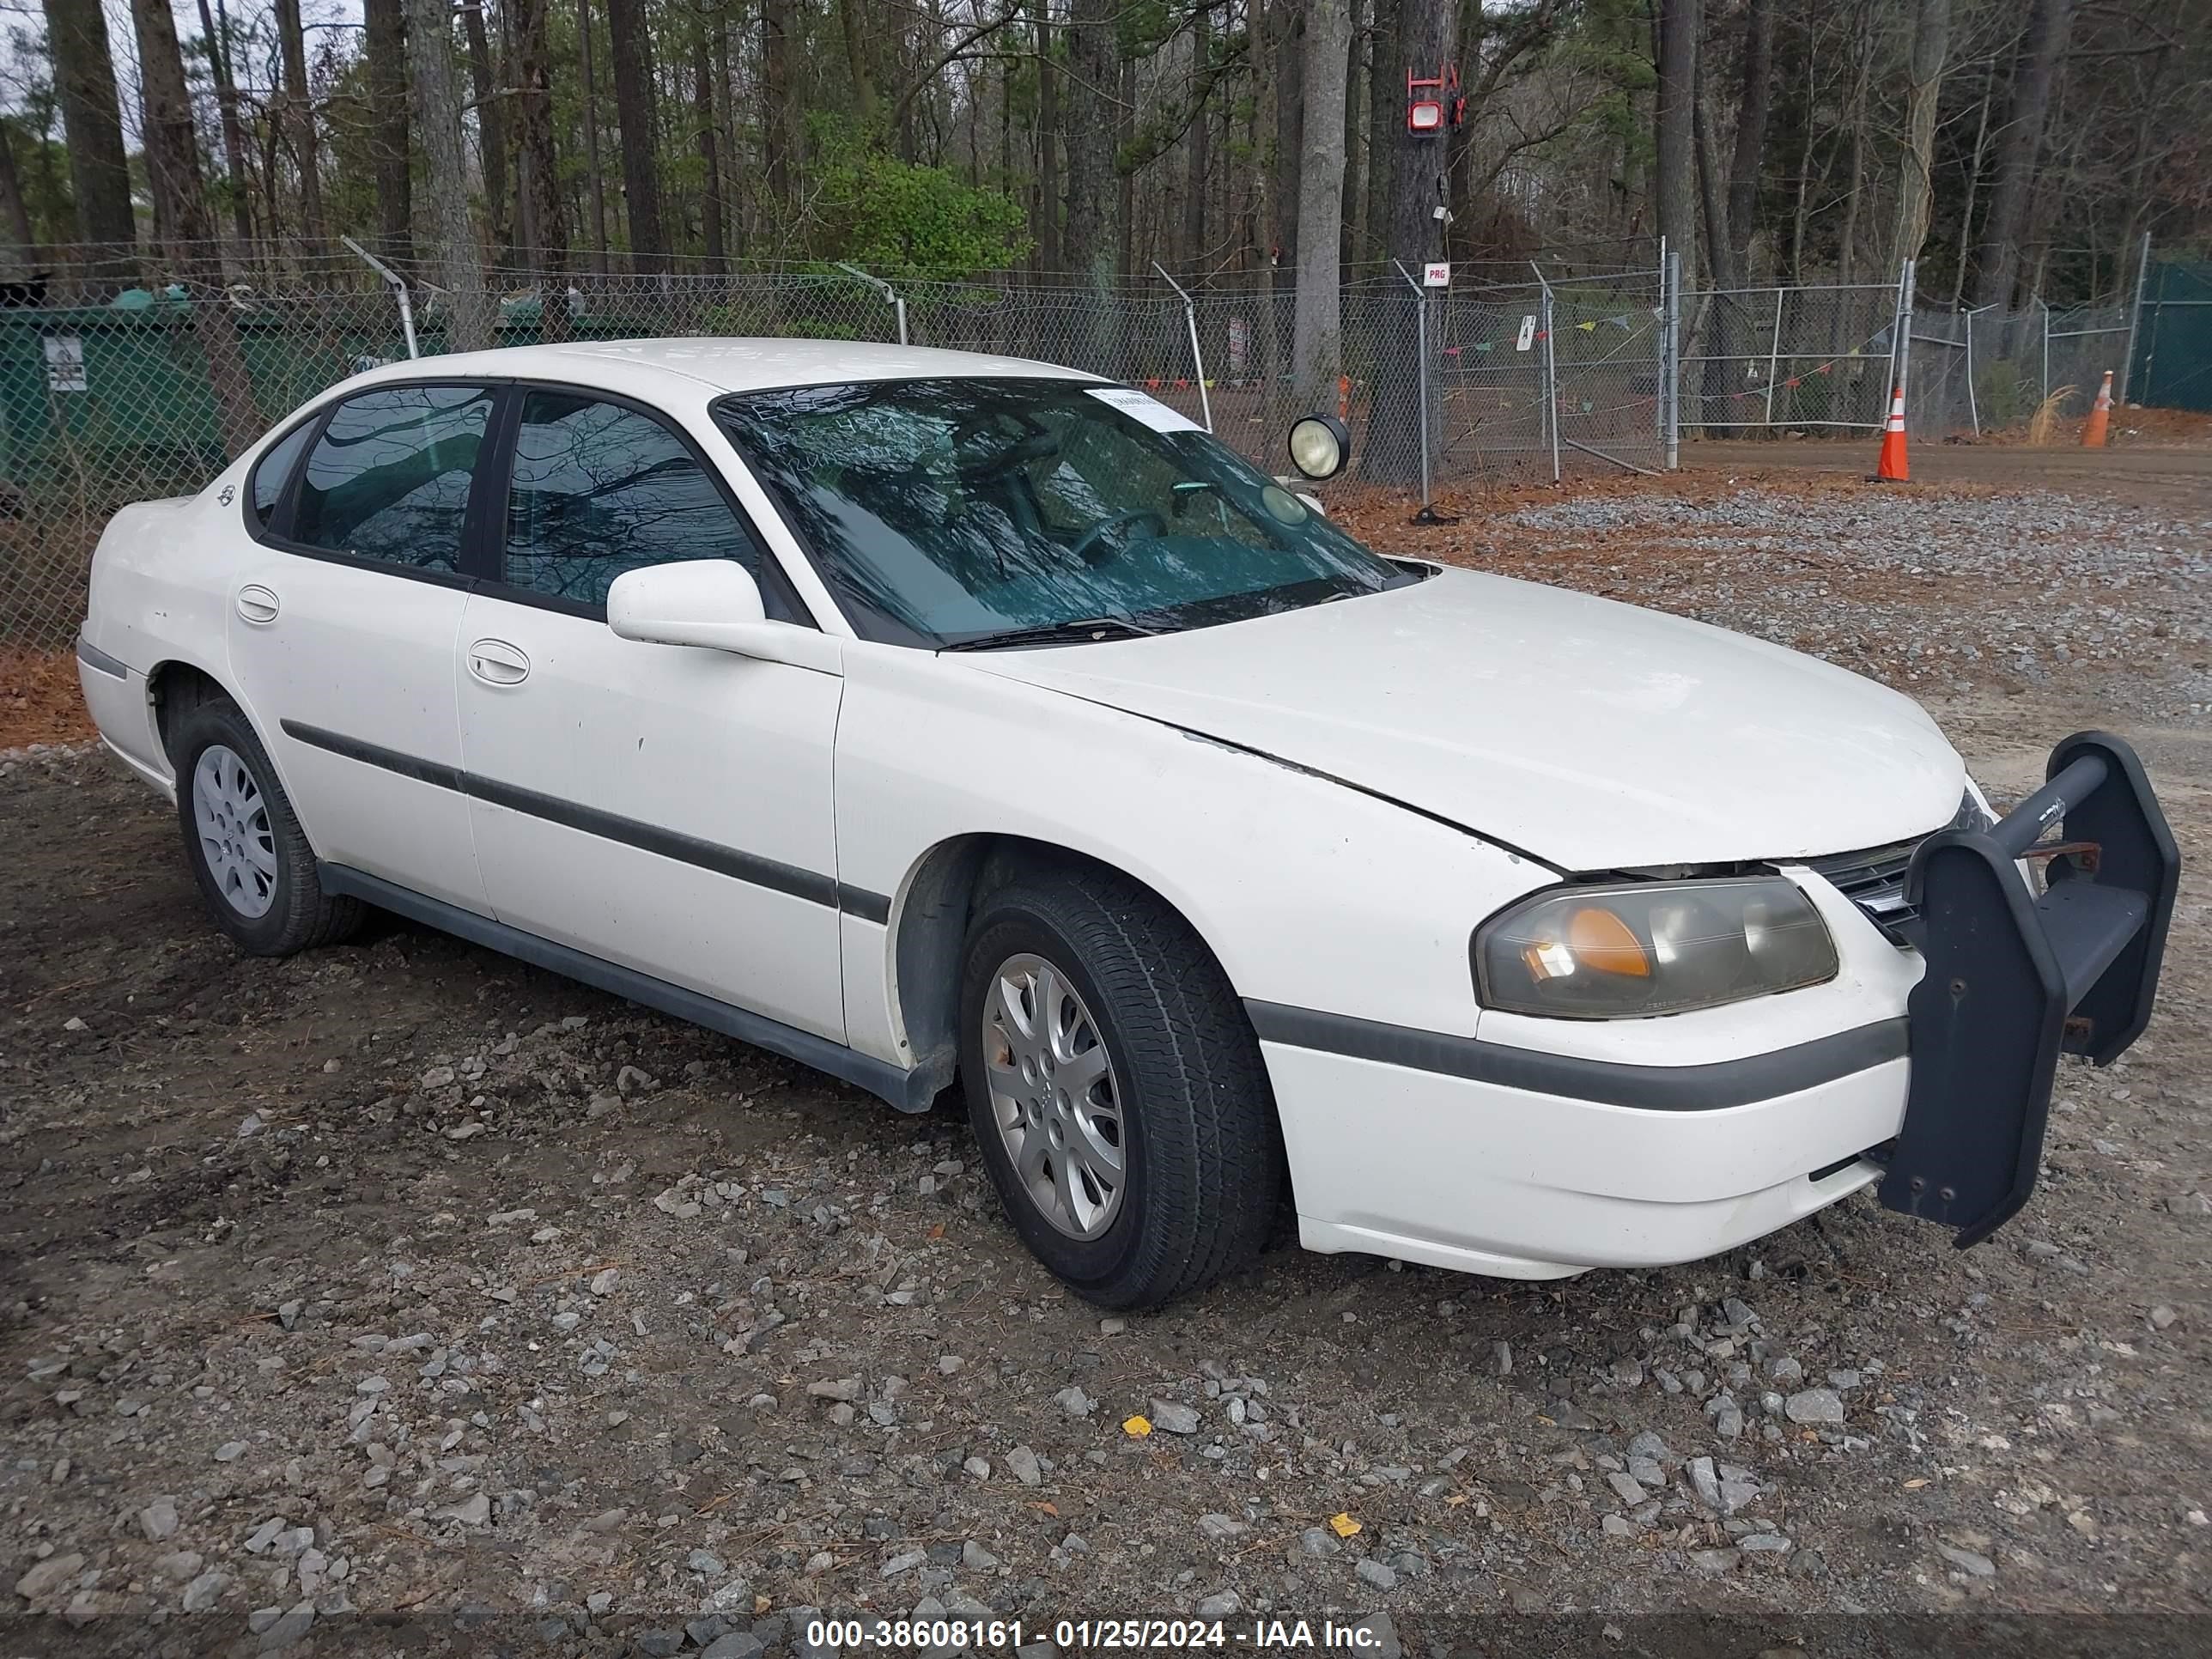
<point x="1875" y="879"/>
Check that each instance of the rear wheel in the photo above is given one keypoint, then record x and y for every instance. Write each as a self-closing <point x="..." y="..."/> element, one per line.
<point x="1116" y="1089"/>
<point x="243" y="841"/>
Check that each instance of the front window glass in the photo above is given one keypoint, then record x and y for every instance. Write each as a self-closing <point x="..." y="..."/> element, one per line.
<point x="600" y="489"/>
<point x="389" y="478"/>
<point x="953" y="512"/>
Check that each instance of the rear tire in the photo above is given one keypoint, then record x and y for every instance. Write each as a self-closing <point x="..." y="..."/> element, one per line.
<point x="1181" y="1093"/>
<point x="243" y="841"/>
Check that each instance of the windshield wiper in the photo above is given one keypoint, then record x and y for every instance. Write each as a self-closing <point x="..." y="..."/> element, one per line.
<point x="1086" y="628"/>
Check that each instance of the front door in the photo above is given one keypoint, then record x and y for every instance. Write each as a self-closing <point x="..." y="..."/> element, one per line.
<point x="664" y="807"/>
<point x="345" y="617"/>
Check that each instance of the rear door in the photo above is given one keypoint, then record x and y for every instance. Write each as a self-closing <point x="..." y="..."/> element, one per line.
<point x="344" y="629"/>
<point x="667" y="808"/>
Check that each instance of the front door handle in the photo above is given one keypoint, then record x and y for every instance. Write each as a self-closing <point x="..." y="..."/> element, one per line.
<point x="256" y="604"/>
<point x="498" y="663"/>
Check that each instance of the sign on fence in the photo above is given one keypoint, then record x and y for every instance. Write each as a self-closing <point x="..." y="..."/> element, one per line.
<point x="65" y="364"/>
<point x="1436" y="274"/>
<point x="1528" y="335"/>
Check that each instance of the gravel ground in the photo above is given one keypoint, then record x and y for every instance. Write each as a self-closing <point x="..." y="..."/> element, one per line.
<point x="403" y="1282"/>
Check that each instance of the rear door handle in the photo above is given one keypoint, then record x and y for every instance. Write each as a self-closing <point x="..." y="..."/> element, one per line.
<point x="256" y="604"/>
<point x="498" y="663"/>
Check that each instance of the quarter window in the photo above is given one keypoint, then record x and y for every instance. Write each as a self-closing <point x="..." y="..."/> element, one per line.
<point x="389" y="478"/>
<point x="274" y="470"/>
<point x="598" y="488"/>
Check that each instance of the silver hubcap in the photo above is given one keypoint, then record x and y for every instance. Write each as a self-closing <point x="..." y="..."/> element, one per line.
<point x="1055" y="1096"/>
<point x="235" y="836"/>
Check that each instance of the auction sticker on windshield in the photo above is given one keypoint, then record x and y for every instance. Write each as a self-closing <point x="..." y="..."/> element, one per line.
<point x="1151" y="410"/>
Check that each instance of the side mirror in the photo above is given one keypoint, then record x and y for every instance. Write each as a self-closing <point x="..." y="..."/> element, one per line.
<point x="714" y="603"/>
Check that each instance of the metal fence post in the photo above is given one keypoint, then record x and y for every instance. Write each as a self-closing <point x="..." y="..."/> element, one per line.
<point x="1905" y="284"/>
<point x="1197" y="355"/>
<point x="398" y="289"/>
<point x="1420" y="375"/>
<point x="2045" y="304"/>
<point x="896" y="300"/>
<point x="1774" y="356"/>
<point x="1673" y="395"/>
<point x="1550" y="368"/>
<point x="2135" y="318"/>
<point x="1659" y="329"/>
<point x="1973" y="405"/>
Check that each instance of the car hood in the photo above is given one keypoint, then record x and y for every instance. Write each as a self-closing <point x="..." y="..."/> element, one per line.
<point x="1593" y="735"/>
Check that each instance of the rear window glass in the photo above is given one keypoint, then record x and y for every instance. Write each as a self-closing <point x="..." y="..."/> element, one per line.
<point x="389" y="478"/>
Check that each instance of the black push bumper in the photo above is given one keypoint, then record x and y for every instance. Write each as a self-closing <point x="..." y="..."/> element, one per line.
<point x="2012" y="978"/>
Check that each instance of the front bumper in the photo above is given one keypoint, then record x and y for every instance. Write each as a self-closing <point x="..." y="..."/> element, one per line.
<point x="1489" y="1159"/>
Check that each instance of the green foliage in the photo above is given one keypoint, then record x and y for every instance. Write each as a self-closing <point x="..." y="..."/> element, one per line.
<point x="900" y="220"/>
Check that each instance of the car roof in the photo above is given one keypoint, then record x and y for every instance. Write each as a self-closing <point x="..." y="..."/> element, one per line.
<point x="660" y="369"/>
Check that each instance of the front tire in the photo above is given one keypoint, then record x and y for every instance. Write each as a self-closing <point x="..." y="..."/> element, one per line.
<point x="250" y="858"/>
<point x="1116" y="1089"/>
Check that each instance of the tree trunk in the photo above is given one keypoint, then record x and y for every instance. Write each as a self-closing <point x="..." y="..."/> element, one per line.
<point x="548" y="250"/>
<point x="1974" y="189"/>
<point x="1355" y="95"/>
<point x="1125" y="129"/>
<point x="300" y="124"/>
<point x="634" y="114"/>
<point x="1931" y="45"/>
<point x="1386" y="123"/>
<point x="180" y="211"/>
<point x="1319" y="336"/>
<point x="387" y="52"/>
<point x="99" y="174"/>
<point x="1193" y="195"/>
<point x="1428" y="34"/>
<point x="1050" y="252"/>
<point x="1754" y="100"/>
<point x="1091" y="197"/>
<point x="2042" y="46"/>
<point x="594" y="184"/>
<point x="215" y="25"/>
<point x="459" y="267"/>
<point x="777" y="140"/>
<point x="11" y="201"/>
<point x="1675" y="185"/>
<point x="491" y="123"/>
<point x="710" y="159"/>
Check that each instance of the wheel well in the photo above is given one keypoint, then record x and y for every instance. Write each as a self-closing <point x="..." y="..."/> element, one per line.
<point x="176" y="687"/>
<point x="931" y="925"/>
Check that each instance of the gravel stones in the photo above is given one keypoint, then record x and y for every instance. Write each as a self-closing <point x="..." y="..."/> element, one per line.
<point x="1170" y="1418"/>
<point x="1815" y="1405"/>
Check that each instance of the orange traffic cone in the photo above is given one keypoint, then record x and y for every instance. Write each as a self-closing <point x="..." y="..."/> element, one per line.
<point x="1892" y="467"/>
<point x="2101" y="417"/>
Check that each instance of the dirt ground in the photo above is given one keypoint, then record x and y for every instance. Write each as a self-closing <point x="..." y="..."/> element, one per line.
<point x="398" y="1296"/>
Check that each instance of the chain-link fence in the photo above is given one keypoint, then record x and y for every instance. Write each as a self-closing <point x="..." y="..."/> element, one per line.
<point x="117" y="385"/>
<point x="1767" y="360"/>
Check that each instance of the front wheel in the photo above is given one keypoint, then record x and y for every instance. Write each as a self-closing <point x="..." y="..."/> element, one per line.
<point x="1116" y="1089"/>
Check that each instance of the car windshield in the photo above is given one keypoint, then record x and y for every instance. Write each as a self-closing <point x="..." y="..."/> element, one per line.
<point x="972" y="512"/>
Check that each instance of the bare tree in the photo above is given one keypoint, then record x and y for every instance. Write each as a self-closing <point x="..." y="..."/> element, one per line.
<point x="633" y="113"/>
<point x="437" y="105"/>
<point x="1201" y="154"/>
<point x="548" y="245"/>
<point x="1428" y="33"/>
<point x="215" y="31"/>
<point x="1092" y="197"/>
<point x="1931" y="46"/>
<point x="703" y="118"/>
<point x="1674" y="119"/>
<point x="99" y="175"/>
<point x="1319" y="331"/>
<point x="180" y="216"/>
<point x="491" y="121"/>
<point x="387" y="106"/>
<point x="594" y="186"/>
<point x="2042" y="44"/>
<point x="779" y="121"/>
<point x="300" y="122"/>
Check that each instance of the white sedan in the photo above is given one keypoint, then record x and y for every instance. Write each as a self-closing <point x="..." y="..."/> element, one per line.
<point x="928" y="716"/>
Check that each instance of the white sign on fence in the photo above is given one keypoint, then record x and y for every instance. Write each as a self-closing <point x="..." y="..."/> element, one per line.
<point x="1436" y="274"/>
<point x="65" y="364"/>
<point x="1528" y="334"/>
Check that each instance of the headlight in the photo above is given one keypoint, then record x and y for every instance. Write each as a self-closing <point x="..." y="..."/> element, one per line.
<point x="1657" y="947"/>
